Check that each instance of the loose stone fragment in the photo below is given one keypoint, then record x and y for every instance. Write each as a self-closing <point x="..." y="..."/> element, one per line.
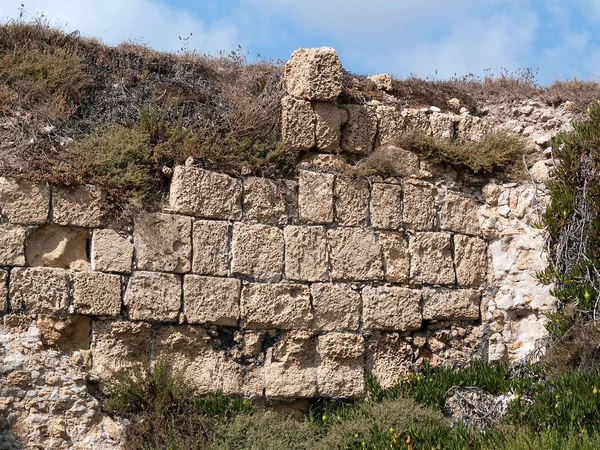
<point x="298" y="124"/>
<point x="340" y="370"/>
<point x="153" y="296"/>
<point x="24" y="202"/>
<point x="257" y="252"/>
<point x="306" y="253"/>
<point x="39" y="290"/>
<point x="80" y="207"/>
<point x="315" y="197"/>
<point x="12" y="245"/>
<point x="281" y="306"/>
<point x="210" y="247"/>
<point x="336" y="306"/>
<point x="391" y="308"/>
<point x="471" y="260"/>
<point x="431" y="258"/>
<point x="395" y="256"/>
<point x="459" y="214"/>
<point x="358" y="134"/>
<point x="386" y="206"/>
<point x="111" y="252"/>
<point x="96" y="294"/>
<point x="351" y="201"/>
<point x="419" y="206"/>
<point x="354" y="255"/>
<point x="211" y="300"/>
<point x="205" y="194"/>
<point x="264" y="201"/>
<point x="314" y="74"/>
<point x="57" y="246"/>
<point x="451" y="304"/>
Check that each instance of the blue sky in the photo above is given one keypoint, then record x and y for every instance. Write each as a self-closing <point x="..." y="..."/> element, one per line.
<point x="560" y="39"/>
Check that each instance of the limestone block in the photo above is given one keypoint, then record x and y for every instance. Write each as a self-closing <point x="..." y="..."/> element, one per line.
<point x="315" y="197"/>
<point x="383" y="81"/>
<point x="459" y="214"/>
<point x="328" y="125"/>
<point x="298" y="124"/>
<point x="205" y="194"/>
<point x="58" y="246"/>
<point x="211" y="300"/>
<point x="419" y="206"/>
<point x="417" y="120"/>
<point x="389" y="358"/>
<point x="257" y="252"/>
<point x="472" y="128"/>
<point x="96" y="294"/>
<point x="39" y="290"/>
<point x="431" y="258"/>
<point x="290" y="367"/>
<point x="314" y="74"/>
<point x="351" y="201"/>
<point x="119" y="345"/>
<point x="358" y="134"/>
<point x="111" y="252"/>
<point x="3" y="291"/>
<point x="153" y="296"/>
<point x="265" y="201"/>
<point x="82" y="206"/>
<point x="395" y="161"/>
<point x="12" y="245"/>
<point x="442" y="125"/>
<point x="24" y="202"/>
<point x="451" y="304"/>
<point x="241" y="380"/>
<point x="395" y="256"/>
<point x="390" y="124"/>
<point x="306" y="253"/>
<point x="210" y="254"/>
<point x="470" y="256"/>
<point x="280" y="306"/>
<point x="340" y="369"/>
<point x="391" y="308"/>
<point x="163" y="242"/>
<point x="354" y="255"/>
<point x="336" y="306"/>
<point x="386" y="206"/>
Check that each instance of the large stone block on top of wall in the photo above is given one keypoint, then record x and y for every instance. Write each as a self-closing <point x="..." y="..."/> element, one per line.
<point x="265" y="201"/>
<point x="470" y="256"/>
<point x="459" y="214"/>
<point x="391" y="308"/>
<point x="340" y="369"/>
<point x="351" y="201"/>
<point x="314" y="74"/>
<point x="275" y="306"/>
<point x="153" y="296"/>
<point x="358" y="134"/>
<point x="395" y="256"/>
<point x="355" y="255"/>
<point x="329" y="119"/>
<point x="96" y="294"/>
<point x="111" y="252"/>
<point x="82" y="206"/>
<point x="24" y="202"/>
<point x="210" y="243"/>
<point x="3" y="291"/>
<point x="39" y="290"/>
<point x="298" y="123"/>
<point x="211" y="300"/>
<point x="451" y="304"/>
<point x="306" y="253"/>
<point x="205" y="194"/>
<point x="257" y="252"/>
<point x="315" y="197"/>
<point x="336" y="306"/>
<point x="163" y="242"/>
<point x="58" y="246"/>
<point x="431" y="258"/>
<point x="386" y="206"/>
<point x="419" y="206"/>
<point x="12" y="245"/>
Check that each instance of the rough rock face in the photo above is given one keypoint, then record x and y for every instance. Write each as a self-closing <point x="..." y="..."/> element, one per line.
<point x="57" y="246"/>
<point x="79" y="207"/>
<point x="111" y="252"/>
<point x="358" y="134"/>
<point x="257" y="252"/>
<point x="298" y="123"/>
<point x="153" y="296"/>
<point x="314" y="74"/>
<point x="315" y="197"/>
<point x="23" y="202"/>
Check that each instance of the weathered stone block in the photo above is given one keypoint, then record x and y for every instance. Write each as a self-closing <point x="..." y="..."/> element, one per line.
<point x="419" y="206"/>
<point x="211" y="300"/>
<point x="38" y="290"/>
<point x="314" y="74"/>
<point x="257" y="252"/>
<point x="459" y="214"/>
<point x="354" y="255"/>
<point x="12" y="245"/>
<point x="265" y="201"/>
<point x="358" y="134"/>
<point x="389" y="358"/>
<point x="58" y="246"/>
<point x="298" y="123"/>
<point x="395" y="256"/>
<point x="431" y="258"/>
<point x="329" y="118"/>
<point x="205" y="194"/>
<point x="210" y="247"/>
<point x="290" y="367"/>
<point x="351" y="201"/>
<point x="282" y="306"/>
<point x="80" y="207"/>
<point x="451" y="304"/>
<point x="417" y="120"/>
<point x="383" y="81"/>
<point x="96" y="294"/>
<point x="24" y="202"/>
<point x="340" y="369"/>
<point x="386" y="206"/>
<point x="395" y="161"/>
<point x="390" y="124"/>
<point x="470" y="256"/>
<point x="163" y="242"/>
<point x="336" y="306"/>
<point x="315" y="197"/>
<point x="306" y="253"/>
<point x="153" y="296"/>
<point x="442" y="125"/>
<point x="391" y="308"/>
<point x="111" y="252"/>
<point x="241" y="380"/>
<point x="3" y="291"/>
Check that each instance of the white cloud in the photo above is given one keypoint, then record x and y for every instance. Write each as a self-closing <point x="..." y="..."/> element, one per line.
<point x="145" y="21"/>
